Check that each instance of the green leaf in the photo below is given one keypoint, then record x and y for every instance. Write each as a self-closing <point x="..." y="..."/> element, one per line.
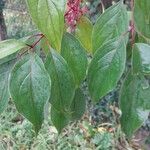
<point x="78" y="105"/>
<point x="142" y="39"/>
<point x="63" y="86"/>
<point x="30" y="88"/>
<point x="134" y="103"/>
<point x="141" y="58"/>
<point x="44" y="45"/>
<point x="33" y="9"/>
<point x="75" y="55"/>
<point x="111" y="24"/>
<point x="59" y="119"/>
<point x="142" y="17"/>
<point x="106" y="68"/>
<point x="9" y="47"/>
<point x="48" y="15"/>
<point x="4" y="75"/>
<point x="84" y="33"/>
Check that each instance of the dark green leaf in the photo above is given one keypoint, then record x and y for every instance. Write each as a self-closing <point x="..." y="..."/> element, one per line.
<point x="75" y="56"/>
<point x="106" y="68"/>
<point x="48" y="15"/>
<point x="134" y="103"/>
<point x="111" y="24"/>
<point x="63" y="86"/>
<point x="30" y="88"/>
<point x="78" y="105"/>
<point x="141" y="58"/>
<point x="59" y="119"/>
<point x="142" y="17"/>
<point x="84" y="33"/>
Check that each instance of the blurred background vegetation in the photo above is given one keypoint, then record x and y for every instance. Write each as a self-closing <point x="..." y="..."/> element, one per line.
<point x="17" y="20"/>
<point x="98" y="129"/>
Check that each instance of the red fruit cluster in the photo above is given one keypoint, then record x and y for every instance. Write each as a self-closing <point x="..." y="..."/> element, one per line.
<point x="74" y="13"/>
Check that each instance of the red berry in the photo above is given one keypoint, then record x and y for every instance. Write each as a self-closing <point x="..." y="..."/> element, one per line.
<point x="74" y="13"/>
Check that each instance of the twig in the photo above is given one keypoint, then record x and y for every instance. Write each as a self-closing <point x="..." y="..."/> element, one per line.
<point x="31" y="46"/>
<point x="39" y="34"/>
<point x="34" y="44"/>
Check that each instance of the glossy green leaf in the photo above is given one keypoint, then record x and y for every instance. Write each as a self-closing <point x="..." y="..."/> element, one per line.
<point x="111" y="24"/>
<point x="141" y="58"/>
<point x="4" y="75"/>
<point x="75" y="55"/>
<point x="63" y="86"/>
<point x="48" y="15"/>
<point x="84" y="33"/>
<point x="134" y="103"/>
<point x="142" y="17"/>
<point x="78" y="105"/>
<point x="59" y="119"/>
<point x="30" y="88"/>
<point x="9" y="47"/>
<point x="106" y="68"/>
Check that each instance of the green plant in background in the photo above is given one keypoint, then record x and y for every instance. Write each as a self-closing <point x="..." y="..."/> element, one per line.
<point x="33" y="83"/>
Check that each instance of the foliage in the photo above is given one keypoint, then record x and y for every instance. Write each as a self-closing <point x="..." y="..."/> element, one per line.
<point x="33" y="81"/>
<point x="24" y="84"/>
<point x="84" y="32"/>
<point x="141" y="10"/>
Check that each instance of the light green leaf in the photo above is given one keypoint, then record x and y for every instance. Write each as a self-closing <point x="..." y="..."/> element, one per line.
<point x="111" y="24"/>
<point x="142" y="17"/>
<point x="141" y="58"/>
<point x="84" y="33"/>
<point x="106" y="68"/>
<point x="63" y="86"/>
<point x="78" y="105"/>
<point x="75" y="55"/>
<point x="4" y="75"/>
<point x="59" y="119"/>
<point x="33" y="8"/>
<point x="48" y="15"/>
<point x="30" y="88"/>
<point x="9" y="47"/>
<point x="134" y="103"/>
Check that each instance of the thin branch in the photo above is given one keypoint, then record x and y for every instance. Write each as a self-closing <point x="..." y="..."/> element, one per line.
<point x="34" y="44"/>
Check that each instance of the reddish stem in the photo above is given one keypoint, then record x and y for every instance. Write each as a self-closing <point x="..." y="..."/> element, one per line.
<point x="34" y="44"/>
<point x="39" y="34"/>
